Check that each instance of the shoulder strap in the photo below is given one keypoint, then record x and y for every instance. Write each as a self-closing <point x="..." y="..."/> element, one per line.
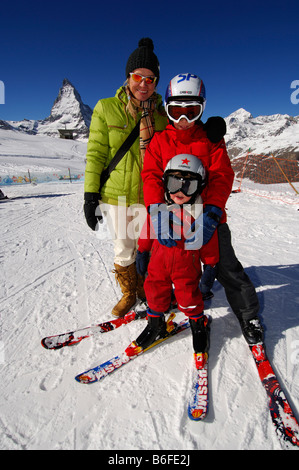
<point x="120" y="153"/>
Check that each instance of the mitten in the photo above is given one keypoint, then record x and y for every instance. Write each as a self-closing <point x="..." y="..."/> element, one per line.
<point x="142" y="260"/>
<point x="215" y="128"/>
<point x="211" y="219"/>
<point x="208" y="278"/>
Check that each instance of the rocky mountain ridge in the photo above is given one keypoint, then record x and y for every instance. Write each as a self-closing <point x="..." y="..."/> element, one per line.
<point x="276" y="134"/>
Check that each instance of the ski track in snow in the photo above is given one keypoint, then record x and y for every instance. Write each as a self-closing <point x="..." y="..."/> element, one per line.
<point x="56" y="275"/>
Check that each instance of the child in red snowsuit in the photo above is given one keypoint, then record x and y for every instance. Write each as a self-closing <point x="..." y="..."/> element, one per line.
<point x="176" y="266"/>
<point x="174" y="263"/>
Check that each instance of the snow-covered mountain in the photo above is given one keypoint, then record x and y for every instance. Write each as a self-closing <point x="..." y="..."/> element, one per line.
<point x="68" y="113"/>
<point x="263" y="135"/>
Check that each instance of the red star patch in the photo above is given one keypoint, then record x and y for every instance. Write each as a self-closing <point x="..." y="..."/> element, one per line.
<point x="185" y="161"/>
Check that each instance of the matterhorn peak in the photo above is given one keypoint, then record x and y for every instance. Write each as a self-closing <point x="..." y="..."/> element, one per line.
<point x="69" y="117"/>
<point x="68" y="112"/>
<point x="68" y="102"/>
<point x="66" y="82"/>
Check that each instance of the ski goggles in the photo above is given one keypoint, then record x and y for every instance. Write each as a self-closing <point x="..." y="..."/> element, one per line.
<point x="137" y="77"/>
<point x="175" y="184"/>
<point x="190" y="110"/>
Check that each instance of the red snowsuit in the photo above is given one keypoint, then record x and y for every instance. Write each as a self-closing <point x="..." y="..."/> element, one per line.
<point x="177" y="265"/>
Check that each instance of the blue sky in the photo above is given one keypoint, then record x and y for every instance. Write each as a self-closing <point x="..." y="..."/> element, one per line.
<point x="246" y="52"/>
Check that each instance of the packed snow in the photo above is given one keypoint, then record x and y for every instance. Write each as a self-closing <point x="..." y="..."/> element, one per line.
<point x="56" y="275"/>
<point x="20" y="152"/>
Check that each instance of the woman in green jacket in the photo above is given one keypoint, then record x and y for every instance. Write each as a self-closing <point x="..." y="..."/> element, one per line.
<point x="112" y="121"/>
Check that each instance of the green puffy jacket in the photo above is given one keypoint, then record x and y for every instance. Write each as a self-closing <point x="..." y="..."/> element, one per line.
<point x="110" y="126"/>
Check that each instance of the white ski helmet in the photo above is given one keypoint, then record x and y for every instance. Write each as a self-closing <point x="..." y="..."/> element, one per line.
<point x="186" y="85"/>
<point x="184" y="165"/>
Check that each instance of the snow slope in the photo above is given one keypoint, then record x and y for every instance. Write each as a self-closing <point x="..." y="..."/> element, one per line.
<point x="20" y="151"/>
<point x="56" y="275"/>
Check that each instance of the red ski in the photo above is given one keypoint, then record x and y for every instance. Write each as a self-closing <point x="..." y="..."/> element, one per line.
<point x="74" y="337"/>
<point x="283" y="418"/>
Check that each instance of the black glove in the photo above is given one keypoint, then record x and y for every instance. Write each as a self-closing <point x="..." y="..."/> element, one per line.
<point x="91" y="208"/>
<point x="215" y="128"/>
<point x="142" y="260"/>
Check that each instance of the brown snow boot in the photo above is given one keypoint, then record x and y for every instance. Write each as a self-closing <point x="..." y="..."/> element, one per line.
<point x="126" y="276"/>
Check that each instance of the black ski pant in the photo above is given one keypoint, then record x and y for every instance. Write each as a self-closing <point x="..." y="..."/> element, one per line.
<point x="239" y="290"/>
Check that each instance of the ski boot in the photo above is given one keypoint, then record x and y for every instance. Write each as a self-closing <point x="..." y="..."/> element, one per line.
<point x="252" y="330"/>
<point x="201" y="340"/>
<point x="156" y="329"/>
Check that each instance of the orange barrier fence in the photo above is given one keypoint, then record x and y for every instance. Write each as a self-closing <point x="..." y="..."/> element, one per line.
<point x="267" y="176"/>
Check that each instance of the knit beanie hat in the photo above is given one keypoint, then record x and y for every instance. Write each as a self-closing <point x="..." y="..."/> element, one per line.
<point x="144" y="57"/>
